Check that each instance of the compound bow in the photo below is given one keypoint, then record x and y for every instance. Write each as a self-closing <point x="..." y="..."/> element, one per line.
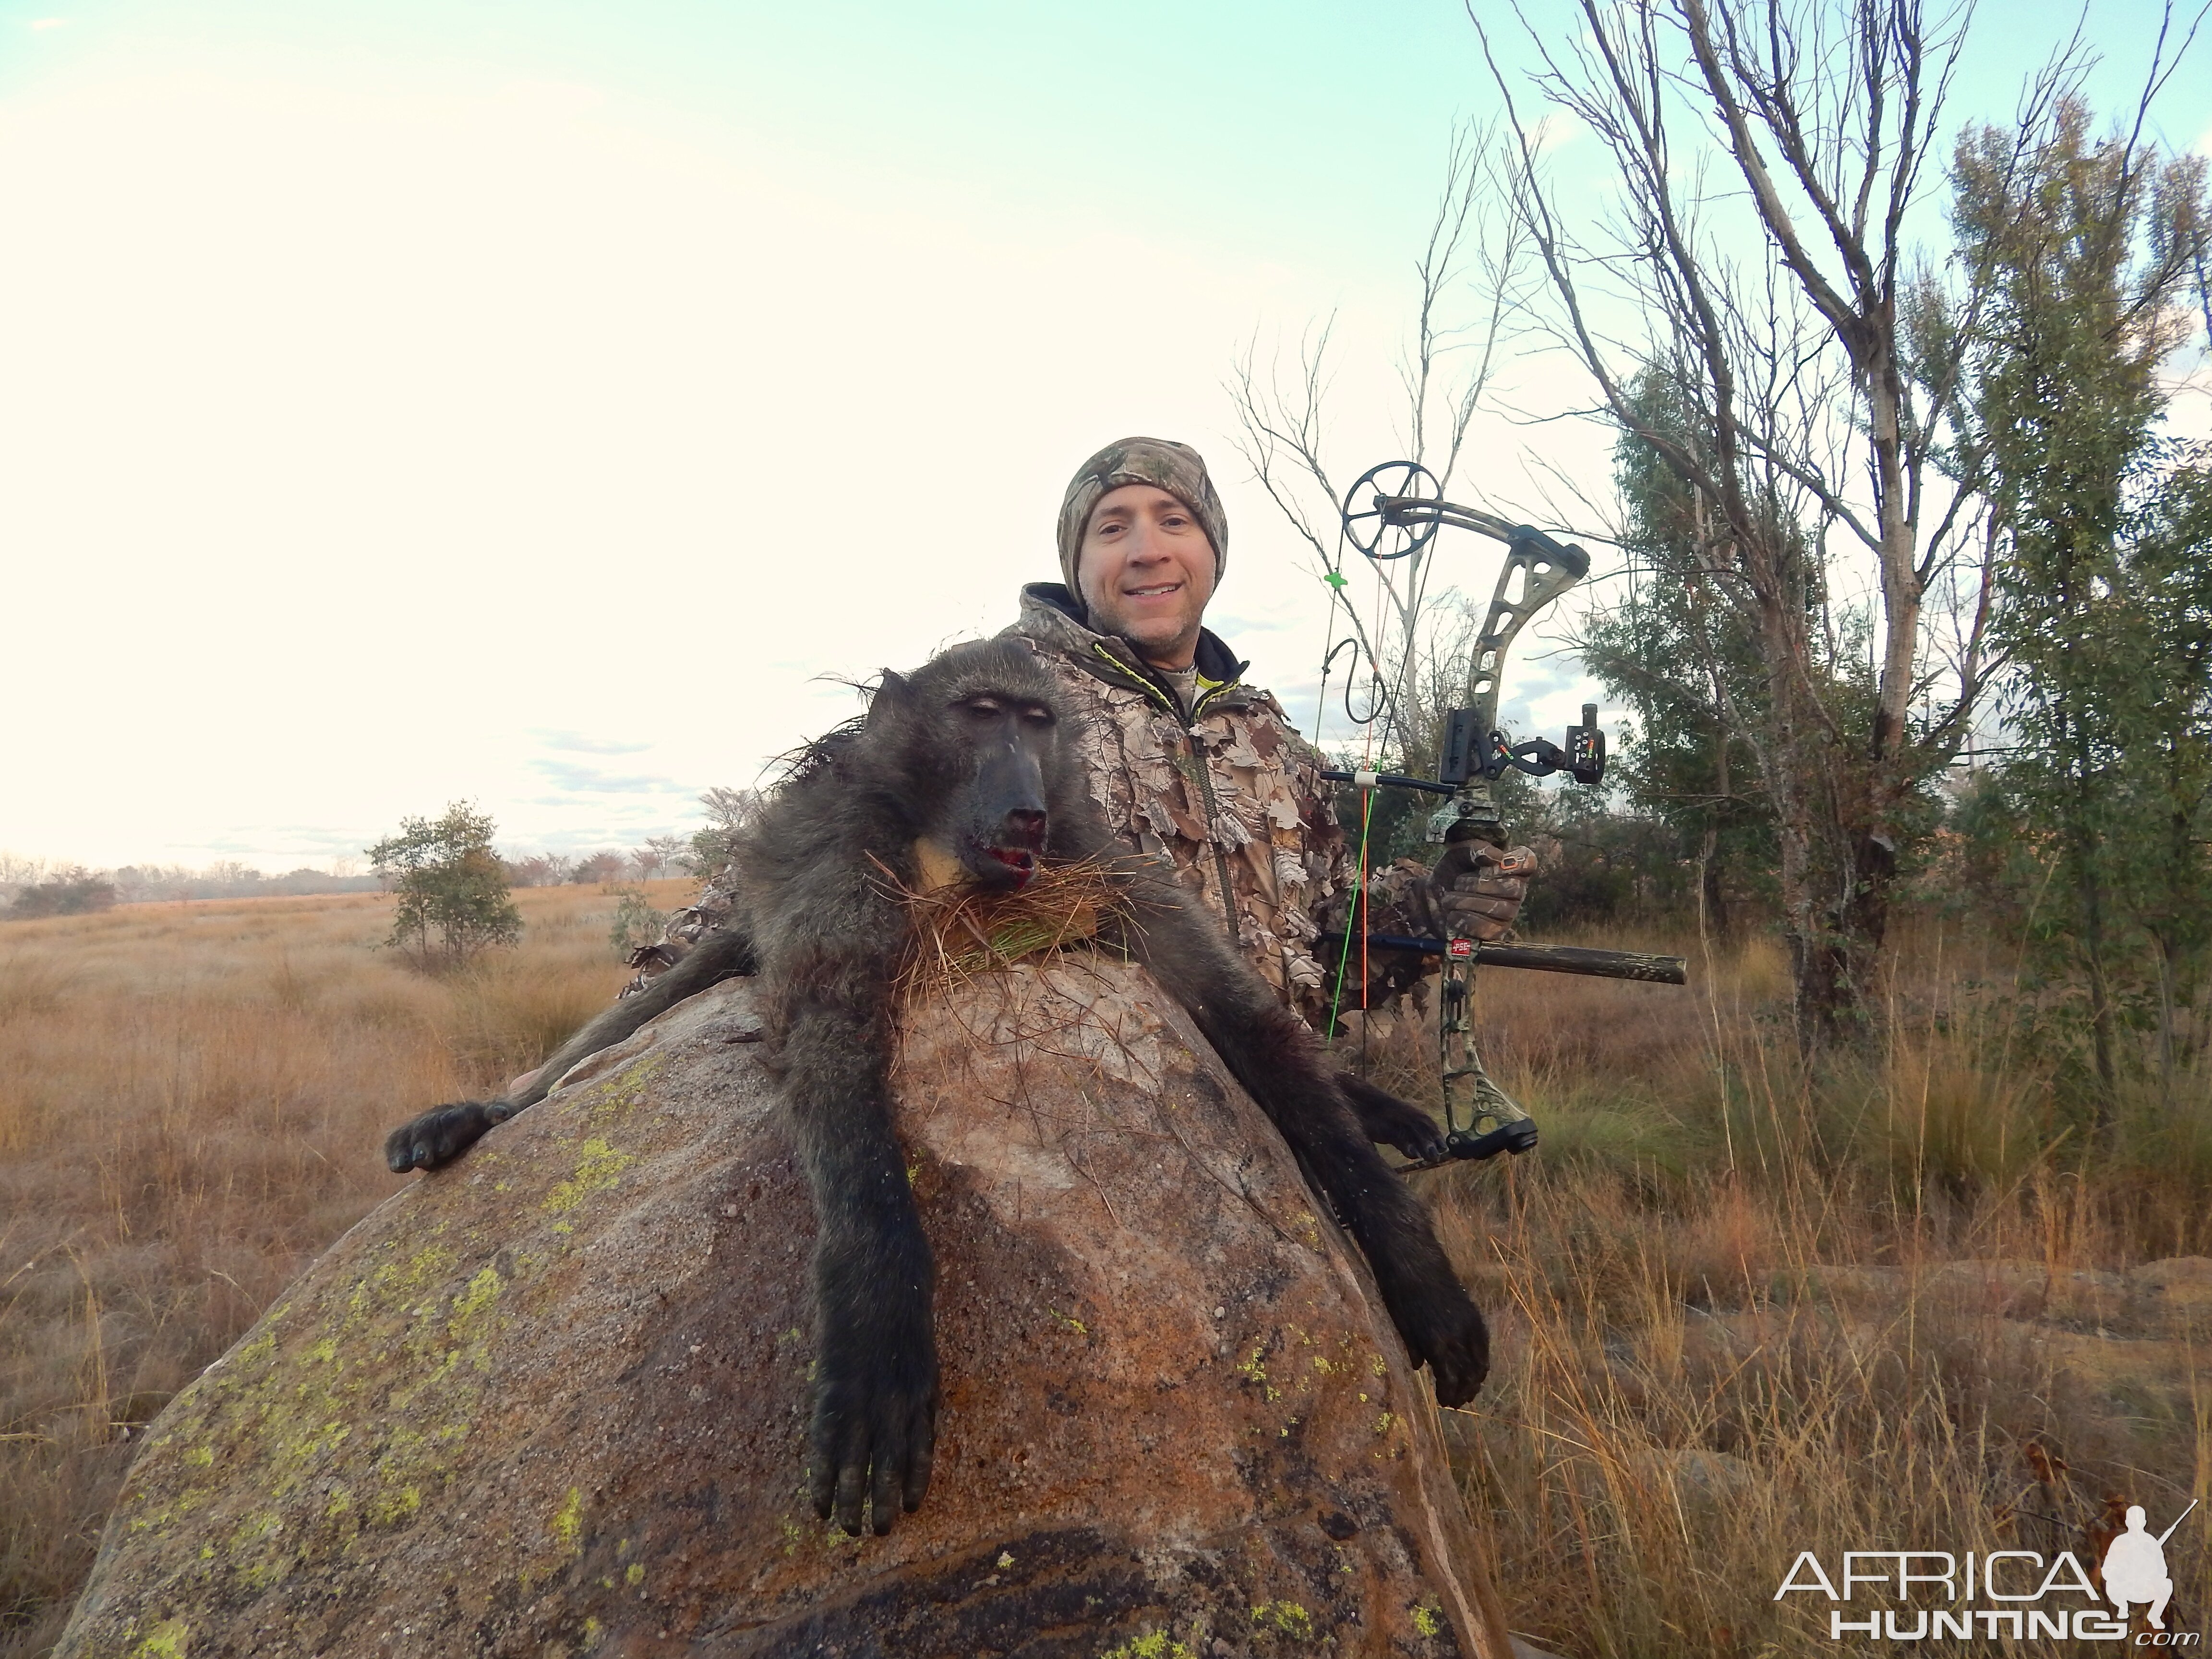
<point x="1394" y="511"/>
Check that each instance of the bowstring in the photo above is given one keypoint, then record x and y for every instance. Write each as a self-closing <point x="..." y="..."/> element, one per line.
<point x="1366" y="806"/>
<point x="1356" y="913"/>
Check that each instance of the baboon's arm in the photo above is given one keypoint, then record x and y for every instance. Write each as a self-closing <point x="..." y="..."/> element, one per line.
<point x="444" y="1132"/>
<point x="875" y="1407"/>
<point x="1279" y="1062"/>
<point x="721" y="953"/>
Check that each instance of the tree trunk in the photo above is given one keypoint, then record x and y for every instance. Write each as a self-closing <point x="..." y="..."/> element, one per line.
<point x="2164" y="940"/>
<point x="2101" y="993"/>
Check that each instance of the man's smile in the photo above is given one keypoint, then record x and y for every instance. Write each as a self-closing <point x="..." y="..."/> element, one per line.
<point x="1145" y="571"/>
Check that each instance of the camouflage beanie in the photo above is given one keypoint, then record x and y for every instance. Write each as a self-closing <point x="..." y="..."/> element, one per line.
<point x="1173" y="467"/>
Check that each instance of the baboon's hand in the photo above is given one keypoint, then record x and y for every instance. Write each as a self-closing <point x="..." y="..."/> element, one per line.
<point x="440" y="1134"/>
<point x="1443" y="1330"/>
<point x="1390" y="1121"/>
<point x="875" y="1421"/>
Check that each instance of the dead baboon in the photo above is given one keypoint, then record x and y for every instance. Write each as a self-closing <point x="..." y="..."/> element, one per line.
<point x="971" y="755"/>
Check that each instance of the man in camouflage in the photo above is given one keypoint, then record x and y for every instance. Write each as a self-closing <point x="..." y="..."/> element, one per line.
<point x="1191" y="764"/>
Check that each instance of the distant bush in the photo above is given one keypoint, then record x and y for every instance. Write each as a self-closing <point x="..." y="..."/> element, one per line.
<point x="147" y="883"/>
<point x="75" y="894"/>
<point x="539" y="870"/>
<point x="600" y="868"/>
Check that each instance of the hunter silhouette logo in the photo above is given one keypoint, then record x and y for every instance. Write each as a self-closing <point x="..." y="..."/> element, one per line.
<point x="2134" y="1566"/>
<point x="2017" y="1593"/>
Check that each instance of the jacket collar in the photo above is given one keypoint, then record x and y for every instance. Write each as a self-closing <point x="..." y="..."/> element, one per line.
<point x="1053" y="616"/>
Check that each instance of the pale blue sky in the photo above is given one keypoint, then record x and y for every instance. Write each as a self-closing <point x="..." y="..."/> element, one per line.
<point x="704" y="348"/>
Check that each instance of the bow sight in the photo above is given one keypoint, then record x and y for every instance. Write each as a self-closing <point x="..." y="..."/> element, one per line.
<point x="1391" y="512"/>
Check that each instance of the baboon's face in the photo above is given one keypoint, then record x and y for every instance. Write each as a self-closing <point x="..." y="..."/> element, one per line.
<point x="999" y="824"/>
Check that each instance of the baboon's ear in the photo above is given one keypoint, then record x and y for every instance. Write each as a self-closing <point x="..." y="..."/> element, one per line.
<point x="891" y="696"/>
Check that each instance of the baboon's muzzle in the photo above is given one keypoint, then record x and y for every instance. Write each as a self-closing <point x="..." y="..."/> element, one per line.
<point x="1007" y="824"/>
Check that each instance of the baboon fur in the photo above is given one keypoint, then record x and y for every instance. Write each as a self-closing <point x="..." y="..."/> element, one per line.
<point x="973" y="753"/>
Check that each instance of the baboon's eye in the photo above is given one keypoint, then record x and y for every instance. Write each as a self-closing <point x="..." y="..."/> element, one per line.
<point x="1035" y="714"/>
<point x="984" y="707"/>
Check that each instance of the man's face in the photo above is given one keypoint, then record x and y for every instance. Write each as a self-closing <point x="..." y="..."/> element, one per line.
<point x="1147" y="571"/>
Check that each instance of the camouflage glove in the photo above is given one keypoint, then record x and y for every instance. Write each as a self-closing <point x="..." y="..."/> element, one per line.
<point x="1477" y="889"/>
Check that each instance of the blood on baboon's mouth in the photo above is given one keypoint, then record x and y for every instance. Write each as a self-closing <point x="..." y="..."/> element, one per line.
<point x="1019" y="859"/>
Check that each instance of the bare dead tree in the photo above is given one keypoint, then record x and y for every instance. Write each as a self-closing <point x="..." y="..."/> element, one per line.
<point x="1469" y="271"/>
<point x="1756" y="331"/>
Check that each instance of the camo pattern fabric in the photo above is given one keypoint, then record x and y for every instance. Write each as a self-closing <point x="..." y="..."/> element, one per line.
<point x="1398" y="901"/>
<point x="1234" y="795"/>
<point x="711" y="910"/>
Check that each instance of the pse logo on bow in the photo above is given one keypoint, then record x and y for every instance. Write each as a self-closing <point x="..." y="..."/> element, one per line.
<point x="2033" y="1595"/>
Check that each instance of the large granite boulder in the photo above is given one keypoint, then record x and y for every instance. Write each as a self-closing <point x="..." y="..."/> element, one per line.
<point x="553" y="1400"/>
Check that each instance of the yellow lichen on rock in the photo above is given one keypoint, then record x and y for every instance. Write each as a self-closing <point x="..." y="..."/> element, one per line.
<point x="1157" y="1645"/>
<point x="599" y="1166"/>
<point x="1287" y="1617"/>
<point x="169" y="1639"/>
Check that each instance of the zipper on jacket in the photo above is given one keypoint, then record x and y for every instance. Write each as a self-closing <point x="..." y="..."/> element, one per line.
<point x="1229" y="909"/>
<point x="1187" y="726"/>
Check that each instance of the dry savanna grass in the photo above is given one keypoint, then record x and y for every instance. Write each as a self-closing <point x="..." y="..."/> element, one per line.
<point x="1742" y="1308"/>
<point x="1745" y="1309"/>
<point x="192" y="1101"/>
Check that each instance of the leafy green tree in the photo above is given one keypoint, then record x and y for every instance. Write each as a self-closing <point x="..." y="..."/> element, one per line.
<point x="1684" y="661"/>
<point x="2170" y="877"/>
<point x="2084" y="251"/>
<point x="1766" y="292"/>
<point x="451" y="888"/>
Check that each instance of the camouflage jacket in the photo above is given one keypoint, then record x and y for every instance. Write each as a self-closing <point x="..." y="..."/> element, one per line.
<point x="1230" y="798"/>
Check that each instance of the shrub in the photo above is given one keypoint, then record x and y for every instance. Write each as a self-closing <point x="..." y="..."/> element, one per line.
<point x="636" y="923"/>
<point x="602" y="869"/>
<point x="447" y="879"/>
<point x="75" y="894"/>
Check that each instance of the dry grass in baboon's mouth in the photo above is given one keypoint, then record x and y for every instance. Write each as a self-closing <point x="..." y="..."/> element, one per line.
<point x="962" y="930"/>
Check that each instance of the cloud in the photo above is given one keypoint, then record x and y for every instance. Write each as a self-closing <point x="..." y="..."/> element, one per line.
<point x="577" y="742"/>
<point x="643" y="395"/>
<point x="568" y="774"/>
<point x="1556" y="131"/>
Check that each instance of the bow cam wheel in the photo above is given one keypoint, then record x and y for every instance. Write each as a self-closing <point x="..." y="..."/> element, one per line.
<point x="1391" y="511"/>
